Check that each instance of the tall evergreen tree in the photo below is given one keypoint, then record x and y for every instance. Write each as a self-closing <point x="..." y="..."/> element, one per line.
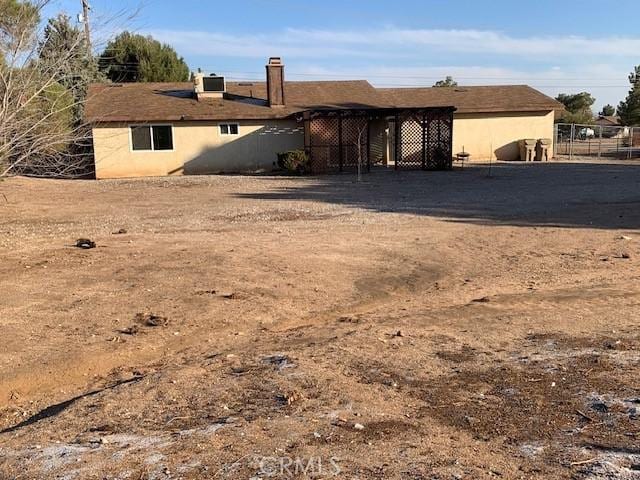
<point x="135" y="58"/>
<point x="61" y="39"/>
<point x="629" y="109"/>
<point x="447" y="82"/>
<point x="18" y="22"/>
<point x="578" y="107"/>
<point x="608" y="111"/>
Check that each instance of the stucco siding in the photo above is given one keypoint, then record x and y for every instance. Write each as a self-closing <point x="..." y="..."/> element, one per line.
<point x="496" y="136"/>
<point x="198" y="148"/>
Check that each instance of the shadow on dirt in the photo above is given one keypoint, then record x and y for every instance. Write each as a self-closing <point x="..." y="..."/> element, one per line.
<point x="550" y="194"/>
<point x="53" y="410"/>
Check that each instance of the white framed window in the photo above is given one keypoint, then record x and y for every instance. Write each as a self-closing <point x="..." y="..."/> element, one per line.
<point x="229" y="129"/>
<point x="151" y="138"/>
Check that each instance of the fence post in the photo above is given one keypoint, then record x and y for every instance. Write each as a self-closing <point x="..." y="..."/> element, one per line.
<point x="573" y="132"/>
<point x="600" y="143"/>
<point x="631" y="133"/>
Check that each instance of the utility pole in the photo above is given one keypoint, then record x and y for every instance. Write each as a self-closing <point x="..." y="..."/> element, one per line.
<point x="85" y="20"/>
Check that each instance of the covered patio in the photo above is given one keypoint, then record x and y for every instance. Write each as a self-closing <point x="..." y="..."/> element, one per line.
<point x="345" y="139"/>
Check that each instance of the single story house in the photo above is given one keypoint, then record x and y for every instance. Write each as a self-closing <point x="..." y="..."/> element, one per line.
<point x="610" y="127"/>
<point x="210" y="125"/>
<point x="608" y="121"/>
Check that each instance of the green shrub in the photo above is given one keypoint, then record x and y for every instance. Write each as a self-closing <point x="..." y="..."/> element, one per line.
<point x="294" y="161"/>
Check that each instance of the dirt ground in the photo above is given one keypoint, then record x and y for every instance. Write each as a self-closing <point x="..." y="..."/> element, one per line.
<point x="438" y="325"/>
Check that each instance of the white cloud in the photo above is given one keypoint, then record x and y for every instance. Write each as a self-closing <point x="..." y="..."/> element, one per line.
<point x="479" y="41"/>
<point x="394" y="42"/>
<point x="606" y="82"/>
<point x="252" y="46"/>
<point x="552" y="64"/>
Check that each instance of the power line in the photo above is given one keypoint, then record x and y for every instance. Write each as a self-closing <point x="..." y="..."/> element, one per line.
<point x="408" y="85"/>
<point x="418" y="76"/>
<point x="254" y="77"/>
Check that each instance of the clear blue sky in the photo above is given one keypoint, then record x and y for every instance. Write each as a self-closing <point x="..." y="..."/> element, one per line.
<point x="554" y="46"/>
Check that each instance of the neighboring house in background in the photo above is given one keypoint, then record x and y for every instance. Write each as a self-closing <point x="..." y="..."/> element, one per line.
<point x="610" y="127"/>
<point x="211" y="126"/>
<point x="608" y="121"/>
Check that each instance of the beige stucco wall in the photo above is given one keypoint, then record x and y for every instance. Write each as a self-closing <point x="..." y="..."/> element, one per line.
<point x="198" y="148"/>
<point x="496" y="136"/>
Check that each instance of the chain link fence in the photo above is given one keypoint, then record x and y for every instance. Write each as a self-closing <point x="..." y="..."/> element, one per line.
<point x="573" y="141"/>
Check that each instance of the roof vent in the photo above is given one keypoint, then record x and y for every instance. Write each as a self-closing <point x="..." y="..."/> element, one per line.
<point x="209" y="86"/>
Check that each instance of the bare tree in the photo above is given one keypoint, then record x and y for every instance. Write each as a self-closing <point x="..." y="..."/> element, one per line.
<point x="44" y="74"/>
<point x="38" y="132"/>
<point x="362" y="130"/>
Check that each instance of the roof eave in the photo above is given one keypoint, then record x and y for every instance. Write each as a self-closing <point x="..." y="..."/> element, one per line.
<point x="542" y="109"/>
<point x="188" y="118"/>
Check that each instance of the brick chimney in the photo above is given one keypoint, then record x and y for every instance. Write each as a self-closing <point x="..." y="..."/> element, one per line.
<point x="275" y="82"/>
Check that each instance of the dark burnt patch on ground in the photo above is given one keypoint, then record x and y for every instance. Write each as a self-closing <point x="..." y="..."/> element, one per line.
<point x="625" y="340"/>
<point x="564" y="403"/>
<point x="556" y="401"/>
<point x="465" y="353"/>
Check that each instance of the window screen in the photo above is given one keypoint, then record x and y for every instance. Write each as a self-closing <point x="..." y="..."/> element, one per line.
<point x="141" y="138"/>
<point x="162" y="137"/>
<point x="151" y="137"/>
<point x="228" y="129"/>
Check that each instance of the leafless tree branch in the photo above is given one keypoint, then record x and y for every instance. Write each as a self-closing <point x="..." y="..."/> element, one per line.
<point x="41" y="100"/>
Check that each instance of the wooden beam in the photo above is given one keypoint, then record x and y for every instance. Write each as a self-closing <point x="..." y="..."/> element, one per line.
<point x="424" y="141"/>
<point x="397" y="146"/>
<point x="306" y="118"/>
<point x="340" y="147"/>
<point x="368" y="145"/>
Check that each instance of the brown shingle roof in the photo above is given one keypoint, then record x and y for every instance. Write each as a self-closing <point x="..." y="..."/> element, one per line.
<point x="486" y="99"/>
<point x="143" y="102"/>
<point x="137" y="102"/>
<point x="608" y="120"/>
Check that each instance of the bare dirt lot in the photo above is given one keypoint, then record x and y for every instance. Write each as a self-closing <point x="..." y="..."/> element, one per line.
<point x="417" y="325"/>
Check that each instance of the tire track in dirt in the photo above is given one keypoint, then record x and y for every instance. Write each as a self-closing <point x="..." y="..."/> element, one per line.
<point x="75" y="373"/>
<point x="374" y="292"/>
<point x="582" y="297"/>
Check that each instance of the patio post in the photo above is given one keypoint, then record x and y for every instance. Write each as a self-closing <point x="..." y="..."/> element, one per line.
<point x="340" y="152"/>
<point x="368" y="144"/>
<point x="424" y="141"/>
<point x="397" y="146"/>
